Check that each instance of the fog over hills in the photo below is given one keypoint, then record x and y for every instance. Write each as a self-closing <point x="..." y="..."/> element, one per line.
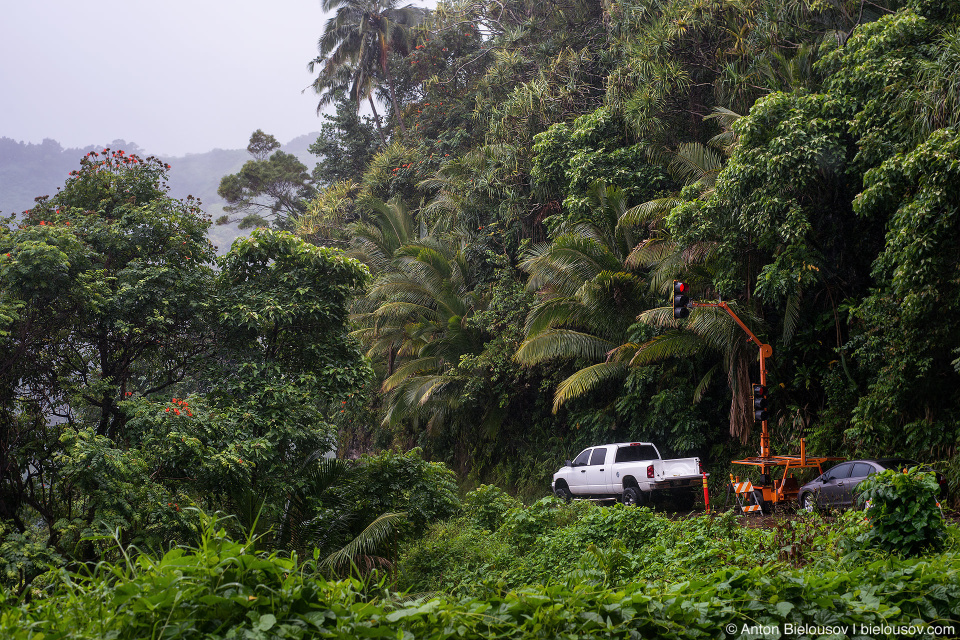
<point x="31" y="170"/>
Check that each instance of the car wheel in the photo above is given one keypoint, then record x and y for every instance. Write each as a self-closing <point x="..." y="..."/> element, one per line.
<point x="563" y="492"/>
<point x="633" y="497"/>
<point x="808" y="502"/>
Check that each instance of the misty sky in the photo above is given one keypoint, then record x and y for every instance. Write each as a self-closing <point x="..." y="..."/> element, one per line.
<point x="175" y="77"/>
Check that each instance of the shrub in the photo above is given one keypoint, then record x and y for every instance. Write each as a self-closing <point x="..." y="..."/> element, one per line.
<point x="904" y="512"/>
<point x="221" y="589"/>
<point x="23" y="556"/>
<point x="454" y="557"/>
<point x="425" y="491"/>
<point x="523" y="525"/>
<point x="487" y="505"/>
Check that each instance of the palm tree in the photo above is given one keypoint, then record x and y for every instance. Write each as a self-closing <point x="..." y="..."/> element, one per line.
<point x="417" y="314"/>
<point x="338" y="79"/>
<point x="356" y="43"/>
<point x="698" y="166"/>
<point x="373" y="241"/>
<point x="707" y="329"/>
<point x="424" y="305"/>
<point x="376" y="237"/>
<point x="694" y="165"/>
<point x="589" y="298"/>
<point x="592" y="285"/>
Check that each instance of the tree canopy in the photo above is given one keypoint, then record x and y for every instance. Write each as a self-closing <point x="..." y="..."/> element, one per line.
<point x="794" y="160"/>
<point x="141" y="377"/>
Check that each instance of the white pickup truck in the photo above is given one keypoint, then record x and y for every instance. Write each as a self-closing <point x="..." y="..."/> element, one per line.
<point x="629" y="471"/>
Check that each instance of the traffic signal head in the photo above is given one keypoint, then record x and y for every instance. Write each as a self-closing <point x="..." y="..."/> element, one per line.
<point x="759" y="402"/>
<point x="680" y="300"/>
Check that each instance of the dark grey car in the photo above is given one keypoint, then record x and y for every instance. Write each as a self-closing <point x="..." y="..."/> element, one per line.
<point x="834" y="489"/>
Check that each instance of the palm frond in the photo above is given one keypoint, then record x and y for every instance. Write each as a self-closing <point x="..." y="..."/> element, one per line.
<point x="411" y="369"/>
<point x="368" y="542"/>
<point x="585" y="380"/>
<point x="668" y="345"/>
<point x="562" y="343"/>
<point x="650" y="211"/>
<point x="704" y="383"/>
<point x="791" y="318"/>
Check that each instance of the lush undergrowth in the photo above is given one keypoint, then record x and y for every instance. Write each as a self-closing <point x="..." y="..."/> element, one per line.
<point x="499" y="542"/>
<point x="551" y="570"/>
<point x="553" y="542"/>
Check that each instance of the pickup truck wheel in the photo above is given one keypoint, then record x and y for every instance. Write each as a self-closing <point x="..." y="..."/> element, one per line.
<point x="633" y="497"/>
<point x="562" y="492"/>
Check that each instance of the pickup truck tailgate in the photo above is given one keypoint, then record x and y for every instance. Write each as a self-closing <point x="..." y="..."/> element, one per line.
<point x="677" y="468"/>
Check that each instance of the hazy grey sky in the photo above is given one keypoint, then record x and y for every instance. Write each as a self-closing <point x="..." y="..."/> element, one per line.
<point x="174" y="77"/>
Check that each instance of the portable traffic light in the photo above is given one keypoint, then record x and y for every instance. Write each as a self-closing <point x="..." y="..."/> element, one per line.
<point x="759" y="402"/>
<point x="680" y="300"/>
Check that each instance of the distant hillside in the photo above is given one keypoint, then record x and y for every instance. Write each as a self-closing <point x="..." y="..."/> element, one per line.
<point x="31" y="170"/>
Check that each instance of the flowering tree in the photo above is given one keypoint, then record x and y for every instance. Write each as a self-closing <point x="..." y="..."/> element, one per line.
<point x="135" y="378"/>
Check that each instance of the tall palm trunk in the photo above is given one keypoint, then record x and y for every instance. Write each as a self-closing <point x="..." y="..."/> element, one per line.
<point x="393" y="98"/>
<point x="376" y="120"/>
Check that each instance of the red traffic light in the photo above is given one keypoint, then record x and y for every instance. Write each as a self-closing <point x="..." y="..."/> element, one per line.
<point x="680" y="300"/>
<point x="759" y="402"/>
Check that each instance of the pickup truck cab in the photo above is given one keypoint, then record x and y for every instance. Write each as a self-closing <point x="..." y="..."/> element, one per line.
<point x="629" y="471"/>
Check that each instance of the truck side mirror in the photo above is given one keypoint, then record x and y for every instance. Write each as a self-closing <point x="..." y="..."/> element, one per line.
<point x="568" y="463"/>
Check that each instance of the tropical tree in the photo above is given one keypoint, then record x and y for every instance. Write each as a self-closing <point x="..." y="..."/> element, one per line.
<point x="105" y="292"/>
<point x="909" y="333"/>
<point x="345" y="146"/>
<point x="423" y="306"/>
<point x="356" y="44"/>
<point x="274" y="185"/>
<point x="375" y="240"/>
<point x="336" y="80"/>
<point x="589" y="299"/>
<point x="136" y="380"/>
<point x="710" y="331"/>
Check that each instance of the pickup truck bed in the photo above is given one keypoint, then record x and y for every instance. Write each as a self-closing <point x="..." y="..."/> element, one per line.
<point x="626" y="470"/>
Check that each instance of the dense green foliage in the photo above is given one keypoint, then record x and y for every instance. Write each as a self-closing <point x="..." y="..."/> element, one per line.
<point x="218" y="588"/>
<point x="550" y="541"/>
<point x="511" y="229"/>
<point x="903" y="511"/>
<point x="795" y="159"/>
<point x="137" y="380"/>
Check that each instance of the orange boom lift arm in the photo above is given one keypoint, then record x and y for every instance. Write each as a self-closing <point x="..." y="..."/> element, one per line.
<point x="774" y="490"/>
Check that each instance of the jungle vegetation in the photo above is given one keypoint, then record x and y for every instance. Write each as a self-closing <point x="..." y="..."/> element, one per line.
<point x="544" y="171"/>
<point x="471" y="286"/>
